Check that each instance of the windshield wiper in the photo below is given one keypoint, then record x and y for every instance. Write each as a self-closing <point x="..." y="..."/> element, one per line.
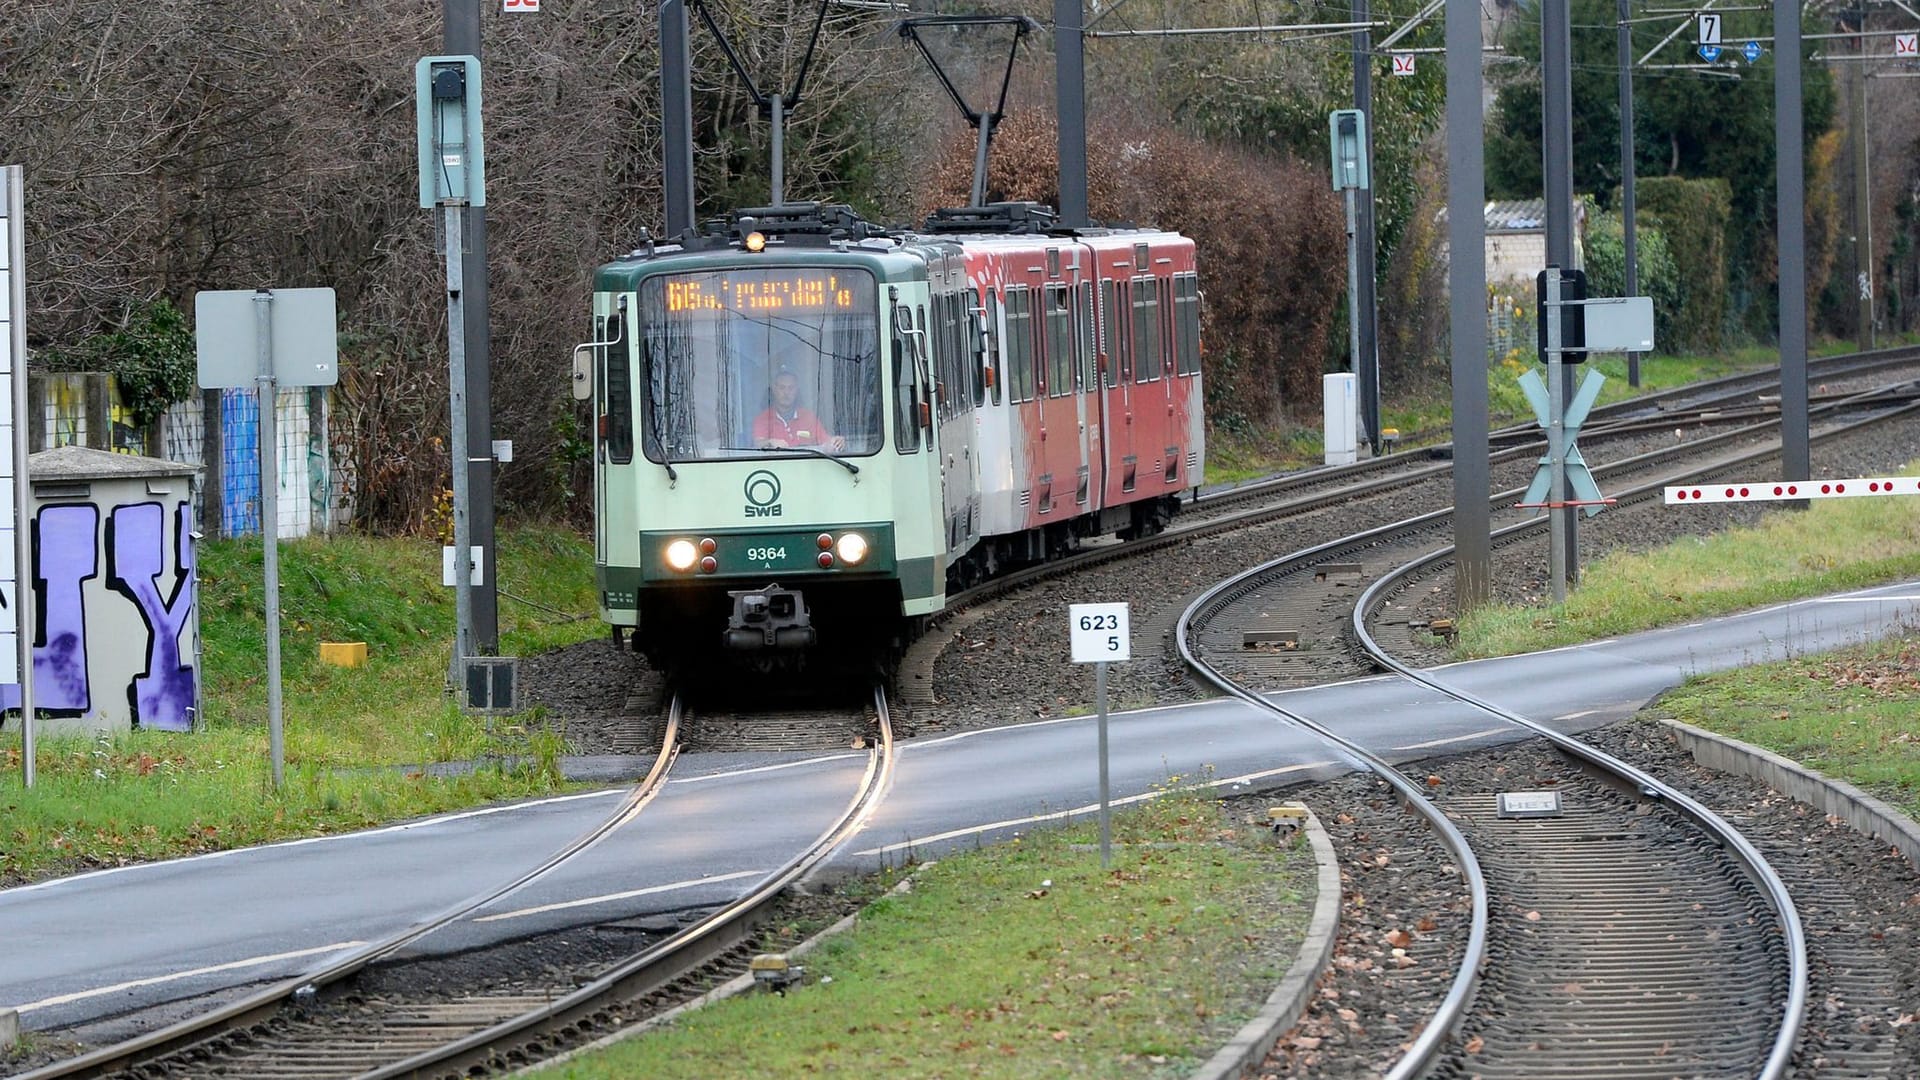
<point x="814" y="450"/>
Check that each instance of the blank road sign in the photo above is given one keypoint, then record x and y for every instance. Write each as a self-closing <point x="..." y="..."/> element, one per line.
<point x="305" y="346"/>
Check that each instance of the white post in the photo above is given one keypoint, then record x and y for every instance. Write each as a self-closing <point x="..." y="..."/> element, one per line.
<point x="1106" y="811"/>
<point x="13" y="201"/>
<point x="1556" y="440"/>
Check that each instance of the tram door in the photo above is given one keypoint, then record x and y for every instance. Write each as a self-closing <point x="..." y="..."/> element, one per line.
<point x="1116" y="380"/>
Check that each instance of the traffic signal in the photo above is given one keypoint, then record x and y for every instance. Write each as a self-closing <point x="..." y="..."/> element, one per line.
<point x="1573" y="317"/>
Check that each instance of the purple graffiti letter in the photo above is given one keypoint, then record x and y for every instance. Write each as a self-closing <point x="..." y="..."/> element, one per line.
<point x="63" y="541"/>
<point x="162" y="697"/>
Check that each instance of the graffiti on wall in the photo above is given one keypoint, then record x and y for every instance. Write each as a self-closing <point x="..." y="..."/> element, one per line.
<point x="82" y="666"/>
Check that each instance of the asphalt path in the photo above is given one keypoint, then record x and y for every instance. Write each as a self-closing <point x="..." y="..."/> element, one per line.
<point x="80" y="949"/>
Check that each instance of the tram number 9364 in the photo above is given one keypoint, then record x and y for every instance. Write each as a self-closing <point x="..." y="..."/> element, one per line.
<point x="766" y="554"/>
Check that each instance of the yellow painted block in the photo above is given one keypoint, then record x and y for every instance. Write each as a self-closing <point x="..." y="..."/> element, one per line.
<point x="344" y="653"/>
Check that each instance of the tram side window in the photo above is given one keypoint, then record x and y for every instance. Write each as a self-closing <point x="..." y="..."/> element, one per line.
<point x="1083" y="325"/>
<point x="1059" y="343"/>
<point x="1020" y="343"/>
<point x="1186" y="303"/>
<point x="619" y="392"/>
<point x="1109" y="338"/>
<point x="996" y="345"/>
<point x="1146" y="329"/>
<point x="906" y="426"/>
<point x="974" y="352"/>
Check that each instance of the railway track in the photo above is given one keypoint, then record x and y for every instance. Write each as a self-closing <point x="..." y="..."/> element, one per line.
<point x="1636" y="934"/>
<point x="1636" y="902"/>
<point x="1412" y="480"/>
<point x="347" y="1021"/>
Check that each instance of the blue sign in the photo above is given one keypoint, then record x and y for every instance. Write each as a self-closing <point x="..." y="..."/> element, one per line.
<point x="1751" y="51"/>
<point x="1709" y="53"/>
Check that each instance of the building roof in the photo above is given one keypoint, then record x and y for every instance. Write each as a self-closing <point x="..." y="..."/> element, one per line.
<point x="85" y="463"/>
<point x="1517" y="215"/>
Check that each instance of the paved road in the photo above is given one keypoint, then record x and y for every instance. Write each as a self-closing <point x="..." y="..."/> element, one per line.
<point x="84" y="948"/>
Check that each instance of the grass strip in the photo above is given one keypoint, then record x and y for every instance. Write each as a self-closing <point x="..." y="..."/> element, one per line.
<point x="1833" y="546"/>
<point x="1852" y="714"/>
<point x="108" y="800"/>
<point x="1025" y="960"/>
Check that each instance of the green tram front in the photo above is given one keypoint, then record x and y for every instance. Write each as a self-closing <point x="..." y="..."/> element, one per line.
<point x="766" y="475"/>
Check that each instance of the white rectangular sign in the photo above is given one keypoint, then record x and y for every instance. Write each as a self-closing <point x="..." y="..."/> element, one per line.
<point x="1906" y="46"/>
<point x="476" y="565"/>
<point x="1099" y="633"/>
<point x="1709" y="28"/>
<point x="510" y="6"/>
<point x="1403" y="63"/>
<point x="304" y="351"/>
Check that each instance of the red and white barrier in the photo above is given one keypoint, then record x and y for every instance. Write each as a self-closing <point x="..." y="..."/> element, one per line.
<point x="1781" y="491"/>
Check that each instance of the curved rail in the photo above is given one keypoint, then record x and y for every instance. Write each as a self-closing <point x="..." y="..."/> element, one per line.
<point x="261" y="1005"/>
<point x="1452" y="1010"/>
<point x="1757" y="868"/>
<point x="1427" y="1046"/>
<point x="685" y="950"/>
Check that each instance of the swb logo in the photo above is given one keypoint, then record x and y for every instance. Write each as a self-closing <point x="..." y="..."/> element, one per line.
<point x="763" y="494"/>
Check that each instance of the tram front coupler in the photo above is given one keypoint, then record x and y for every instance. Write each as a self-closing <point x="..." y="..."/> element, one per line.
<point x="768" y="618"/>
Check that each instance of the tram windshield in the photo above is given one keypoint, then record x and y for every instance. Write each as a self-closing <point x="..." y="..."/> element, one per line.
<point x="751" y="362"/>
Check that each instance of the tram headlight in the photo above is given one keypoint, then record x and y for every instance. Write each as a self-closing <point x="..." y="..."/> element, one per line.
<point x="681" y="554"/>
<point x="852" y="548"/>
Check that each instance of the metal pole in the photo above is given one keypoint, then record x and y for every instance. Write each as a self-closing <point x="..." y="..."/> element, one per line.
<point x="456" y="383"/>
<point x="979" y="196"/>
<point x="1353" y="296"/>
<point x="1070" y="95"/>
<point x="1366" y="241"/>
<point x="1551" y="311"/>
<point x="462" y="23"/>
<point x="777" y="106"/>
<point x="1467" y="308"/>
<point x="1627" y="169"/>
<point x="1556" y="139"/>
<point x="1862" y="193"/>
<point x="1106" y="815"/>
<point x="1796" y="456"/>
<point x="676" y="115"/>
<point x="265" y="391"/>
<point x="13" y="201"/>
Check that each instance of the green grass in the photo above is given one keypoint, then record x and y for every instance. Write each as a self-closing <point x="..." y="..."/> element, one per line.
<point x="150" y="794"/>
<point x="1854" y="714"/>
<point x="1024" y="960"/>
<point x="1834" y="545"/>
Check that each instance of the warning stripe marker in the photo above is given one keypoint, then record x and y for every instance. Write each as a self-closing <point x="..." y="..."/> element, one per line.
<point x="1856" y="488"/>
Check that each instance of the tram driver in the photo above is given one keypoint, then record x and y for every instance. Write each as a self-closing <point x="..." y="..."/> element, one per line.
<point x="785" y="422"/>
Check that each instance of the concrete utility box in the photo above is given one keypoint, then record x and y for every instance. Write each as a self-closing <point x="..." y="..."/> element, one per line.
<point x="113" y="568"/>
<point x="1340" y="406"/>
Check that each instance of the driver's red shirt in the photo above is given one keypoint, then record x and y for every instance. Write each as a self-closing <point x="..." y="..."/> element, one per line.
<point x="803" y="428"/>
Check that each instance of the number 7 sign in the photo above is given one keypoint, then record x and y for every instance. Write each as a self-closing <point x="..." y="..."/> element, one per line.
<point x="1709" y="28"/>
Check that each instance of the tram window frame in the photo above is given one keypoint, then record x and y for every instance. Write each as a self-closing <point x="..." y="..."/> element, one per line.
<point x="1187" y="322"/>
<point x="1146" y="330"/>
<point x="996" y="347"/>
<point x="1087" y="373"/>
<point x="906" y="422"/>
<point x="1020" y="343"/>
<point x="1108" y="344"/>
<point x="619" y="397"/>
<point x="1059" y="341"/>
